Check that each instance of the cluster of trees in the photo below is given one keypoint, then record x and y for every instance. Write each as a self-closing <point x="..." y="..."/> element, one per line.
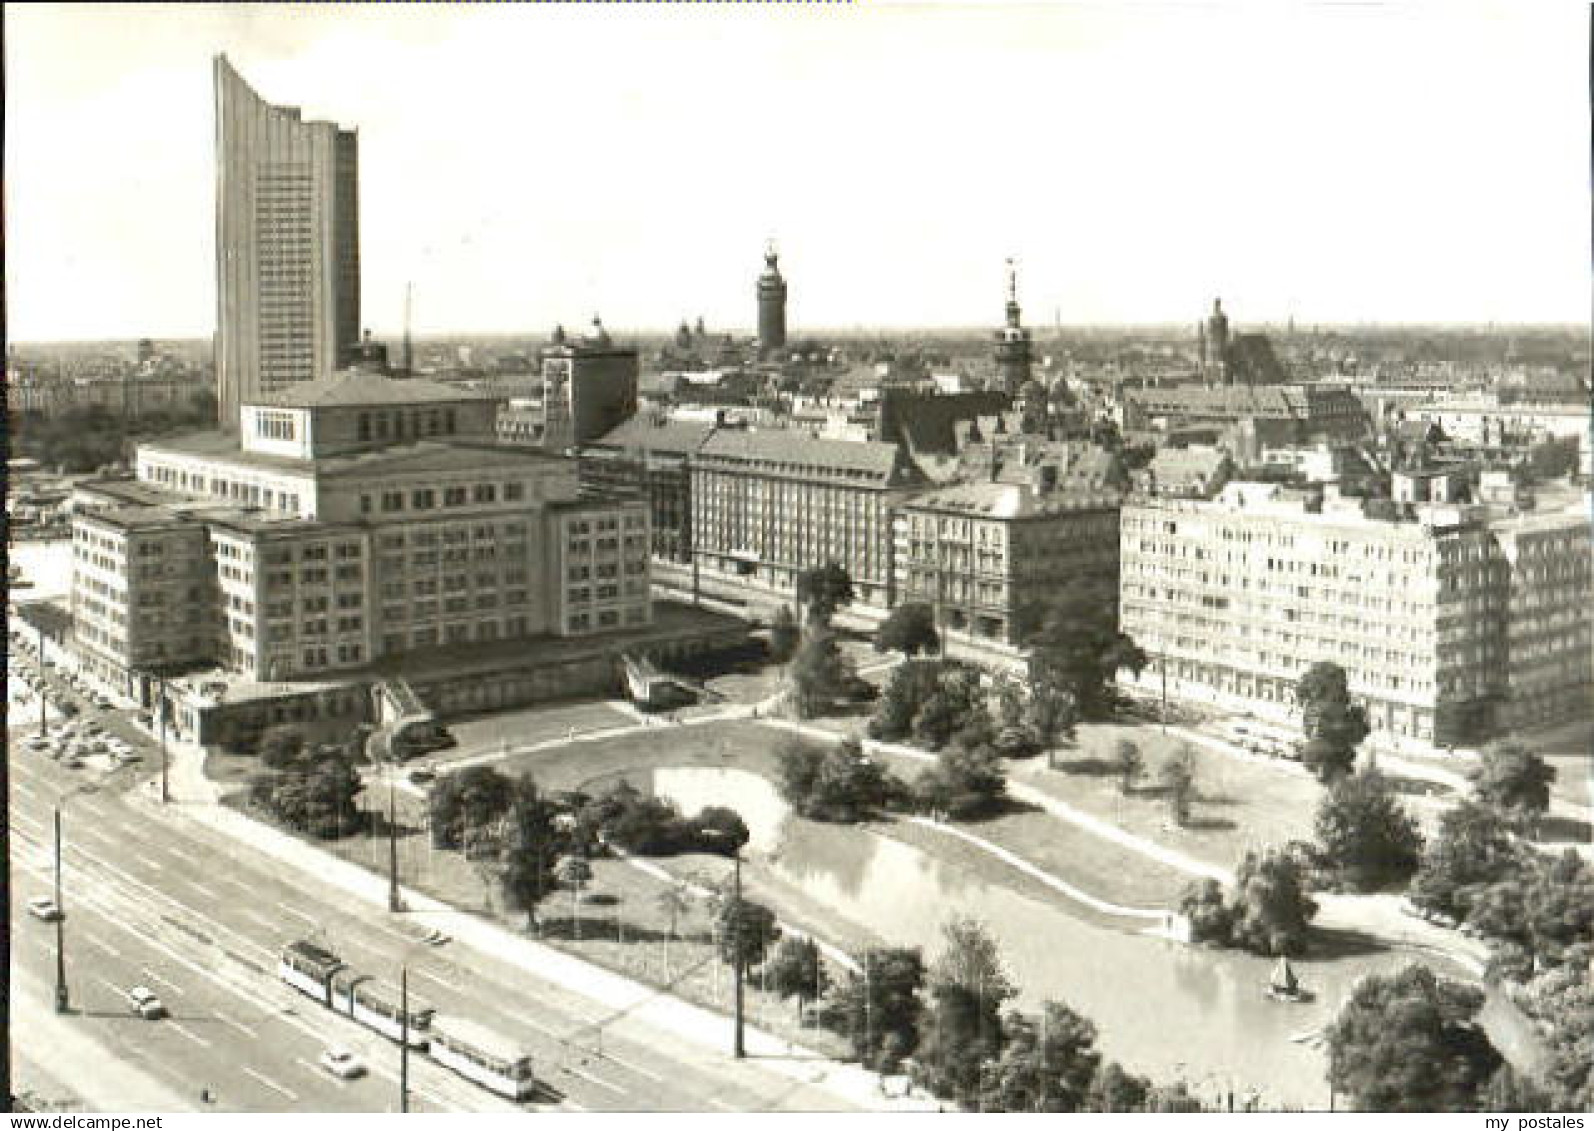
<point x="654" y="826"/>
<point x="949" y="1026"/>
<point x="841" y="783"/>
<point x="909" y="629"/>
<point x="819" y="673"/>
<point x="529" y="845"/>
<point x="1536" y="912"/>
<point x="1076" y="648"/>
<point x="311" y="793"/>
<point x="88" y="438"/>
<point x="1365" y="838"/>
<point x="1268" y="912"/>
<point x="931" y="702"/>
<point x="1334" y="725"/>
<point x="1410" y="1041"/>
<point x="835" y="782"/>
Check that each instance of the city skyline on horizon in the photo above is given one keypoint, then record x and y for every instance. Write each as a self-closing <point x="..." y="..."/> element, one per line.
<point x="69" y="259"/>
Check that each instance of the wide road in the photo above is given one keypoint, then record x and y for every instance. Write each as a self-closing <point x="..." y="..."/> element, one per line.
<point x="156" y="900"/>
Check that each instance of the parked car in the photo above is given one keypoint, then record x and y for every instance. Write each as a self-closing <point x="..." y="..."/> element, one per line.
<point x="422" y="776"/>
<point x="146" y="1004"/>
<point x="342" y="1063"/>
<point x="72" y="761"/>
<point x="43" y="907"/>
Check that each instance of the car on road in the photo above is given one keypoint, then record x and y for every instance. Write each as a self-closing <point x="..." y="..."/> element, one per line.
<point x="146" y="1004"/>
<point x="38" y="742"/>
<point x="126" y="757"/>
<point x="72" y="761"/>
<point x="342" y="1063"/>
<point x="422" y="776"/>
<point x="43" y="907"/>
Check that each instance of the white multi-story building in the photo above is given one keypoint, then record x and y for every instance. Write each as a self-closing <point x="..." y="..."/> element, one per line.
<point x="1449" y="620"/>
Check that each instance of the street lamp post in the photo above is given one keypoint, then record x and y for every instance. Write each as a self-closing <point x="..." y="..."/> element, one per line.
<point x="160" y="718"/>
<point x="404" y="1038"/>
<point x="62" y="1001"/>
<point x="395" y="902"/>
<point x="44" y="685"/>
<point x="738" y="1049"/>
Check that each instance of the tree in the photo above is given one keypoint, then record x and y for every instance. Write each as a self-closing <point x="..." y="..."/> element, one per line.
<point x="1509" y="1090"/>
<point x="784" y="635"/>
<point x="1409" y="1042"/>
<point x="796" y="970"/>
<point x="1046" y="1065"/>
<point x="819" y="672"/>
<point x="1076" y="646"/>
<point x="281" y="745"/>
<point x="674" y="901"/>
<point x="1364" y="833"/>
<point x="1176" y="776"/>
<point x="966" y="781"/>
<point x="533" y="843"/>
<point x="468" y="798"/>
<point x="1513" y="779"/>
<point x="1332" y="723"/>
<point x="746" y="929"/>
<point x="878" y="1007"/>
<point x="1272" y="909"/>
<point x="1114" y="1090"/>
<point x="1050" y="713"/>
<point x="574" y="872"/>
<point x="317" y="799"/>
<point x="909" y="629"/>
<point x="1474" y="848"/>
<point x="836" y="783"/>
<point x="956" y="702"/>
<point x="1208" y="912"/>
<point x="823" y="590"/>
<point x="719" y="830"/>
<point x="1128" y="759"/>
<point x="1268" y="911"/>
<point x="962" y="1027"/>
<point x="911" y="683"/>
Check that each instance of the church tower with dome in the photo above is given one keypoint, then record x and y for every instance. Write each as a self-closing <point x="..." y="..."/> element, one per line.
<point x="1014" y="344"/>
<point x="771" y="306"/>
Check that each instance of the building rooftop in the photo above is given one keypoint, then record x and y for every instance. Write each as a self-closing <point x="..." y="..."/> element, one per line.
<point x="798" y="450"/>
<point x="657" y="434"/>
<point x="140" y="517"/>
<point x="353" y="388"/>
<point x="1011" y="500"/>
<point x="419" y="455"/>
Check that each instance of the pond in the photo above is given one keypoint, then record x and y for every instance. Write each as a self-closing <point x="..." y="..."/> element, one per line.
<point x="1162" y="1008"/>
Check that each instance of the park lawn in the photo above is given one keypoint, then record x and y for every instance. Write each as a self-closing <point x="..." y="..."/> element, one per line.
<point x="738" y="743"/>
<point x="620" y="924"/>
<point x="1240" y="804"/>
<point x="533" y="724"/>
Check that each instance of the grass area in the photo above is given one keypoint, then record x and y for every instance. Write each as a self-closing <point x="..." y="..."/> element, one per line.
<point x="619" y="922"/>
<point x="1239" y="804"/>
<point x="533" y="724"/>
<point x="743" y="744"/>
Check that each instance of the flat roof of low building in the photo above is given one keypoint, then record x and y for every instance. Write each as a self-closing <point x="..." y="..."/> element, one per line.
<point x="419" y="455"/>
<point x="139" y="517"/>
<point x="360" y="388"/>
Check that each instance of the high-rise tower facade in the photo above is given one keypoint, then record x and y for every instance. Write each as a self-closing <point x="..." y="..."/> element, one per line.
<point x="287" y="245"/>
<point x="771" y="306"/>
<point x="1014" y="344"/>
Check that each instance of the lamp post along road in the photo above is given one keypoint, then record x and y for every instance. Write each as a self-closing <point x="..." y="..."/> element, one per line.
<point x="62" y="1001"/>
<point x="738" y="1049"/>
<point x="404" y="1038"/>
<point x="44" y="686"/>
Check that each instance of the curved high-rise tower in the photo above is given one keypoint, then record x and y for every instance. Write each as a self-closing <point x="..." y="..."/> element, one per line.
<point x="771" y="305"/>
<point x="287" y="245"/>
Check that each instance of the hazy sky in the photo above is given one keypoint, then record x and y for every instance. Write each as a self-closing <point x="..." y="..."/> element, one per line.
<point x="526" y="165"/>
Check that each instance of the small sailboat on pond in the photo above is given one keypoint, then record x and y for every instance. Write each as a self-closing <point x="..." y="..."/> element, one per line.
<point x="1283" y="985"/>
